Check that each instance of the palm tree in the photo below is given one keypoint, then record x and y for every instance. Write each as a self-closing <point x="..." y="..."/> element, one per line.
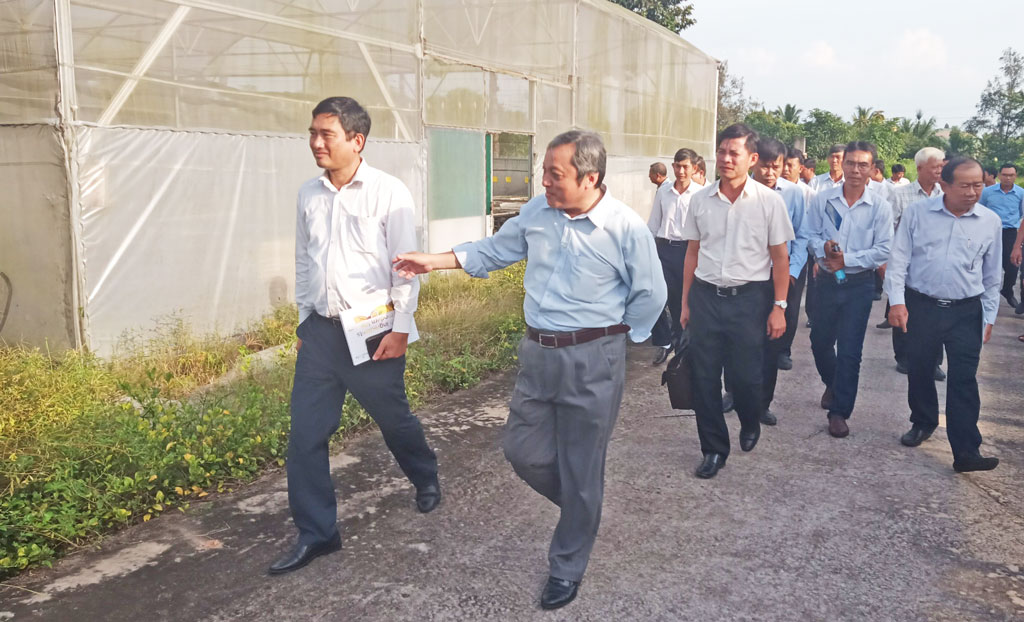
<point x="923" y="128"/>
<point x="789" y="114"/>
<point x="863" y="116"/>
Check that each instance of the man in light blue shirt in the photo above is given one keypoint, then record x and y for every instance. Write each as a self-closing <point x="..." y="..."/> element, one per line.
<point x="834" y="177"/>
<point x="592" y="275"/>
<point x="943" y="282"/>
<point x="1006" y="199"/>
<point x="850" y="230"/>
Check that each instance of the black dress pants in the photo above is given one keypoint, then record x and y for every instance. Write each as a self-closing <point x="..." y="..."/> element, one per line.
<point x="774" y="347"/>
<point x="959" y="329"/>
<point x="667" y="330"/>
<point x="796" y="292"/>
<point x="1009" y="269"/>
<point x="727" y="333"/>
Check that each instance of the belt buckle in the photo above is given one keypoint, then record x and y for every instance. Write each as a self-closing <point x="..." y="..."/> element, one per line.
<point x="554" y="340"/>
<point x="724" y="292"/>
<point x="944" y="303"/>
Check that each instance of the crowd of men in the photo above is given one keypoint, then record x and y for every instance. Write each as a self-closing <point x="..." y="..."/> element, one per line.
<point x="726" y="264"/>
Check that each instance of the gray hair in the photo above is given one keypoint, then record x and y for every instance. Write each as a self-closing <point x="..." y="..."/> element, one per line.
<point x="589" y="157"/>
<point x="928" y="153"/>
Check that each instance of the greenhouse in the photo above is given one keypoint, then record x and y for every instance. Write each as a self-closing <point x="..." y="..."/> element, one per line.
<point x="152" y="149"/>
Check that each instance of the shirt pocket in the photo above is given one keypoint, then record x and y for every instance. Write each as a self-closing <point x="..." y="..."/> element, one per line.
<point x="365" y="234"/>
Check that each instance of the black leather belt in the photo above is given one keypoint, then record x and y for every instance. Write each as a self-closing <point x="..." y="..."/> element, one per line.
<point x="941" y="302"/>
<point x="555" y="339"/>
<point x="728" y="292"/>
<point x="670" y="242"/>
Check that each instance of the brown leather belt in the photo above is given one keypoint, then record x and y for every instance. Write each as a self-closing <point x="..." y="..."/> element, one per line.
<point x="554" y="339"/>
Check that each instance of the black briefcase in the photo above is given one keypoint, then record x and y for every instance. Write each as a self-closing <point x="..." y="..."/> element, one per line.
<point x="679" y="379"/>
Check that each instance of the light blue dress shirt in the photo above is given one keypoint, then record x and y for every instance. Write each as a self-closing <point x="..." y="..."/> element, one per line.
<point x="1006" y="205"/>
<point x="945" y="257"/>
<point x="598" y="269"/>
<point x="864" y="234"/>
<point x="795" y="199"/>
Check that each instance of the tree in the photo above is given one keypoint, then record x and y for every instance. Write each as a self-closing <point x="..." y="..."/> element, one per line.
<point x="789" y="114"/>
<point x="771" y="125"/>
<point x="863" y="116"/>
<point x="824" y="129"/>
<point x="1000" y="113"/>
<point x="672" y="14"/>
<point x="964" y="143"/>
<point x="733" y="104"/>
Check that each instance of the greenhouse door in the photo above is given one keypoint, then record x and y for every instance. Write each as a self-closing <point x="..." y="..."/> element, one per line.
<point x="457" y="196"/>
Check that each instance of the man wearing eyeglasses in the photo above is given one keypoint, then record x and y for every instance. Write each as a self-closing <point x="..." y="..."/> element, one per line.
<point x="850" y="230"/>
<point x="943" y="283"/>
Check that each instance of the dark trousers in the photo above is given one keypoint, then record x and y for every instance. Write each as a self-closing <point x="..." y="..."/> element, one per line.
<point x="837" y="334"/>
<point x="1009" y="270"/>
<point x="959" y="330"/>
<point x="809" y="302"/>
<point x="667" y="330"/>
<point x="727" y="332"/>
<point x="323" y="373"/>
<point x="796" y="291"/>
<point x="774" y="347"/>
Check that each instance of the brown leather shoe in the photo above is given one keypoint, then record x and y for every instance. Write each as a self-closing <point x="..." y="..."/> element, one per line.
<point x="827" y="397"/>
<point x="837" y="426"/>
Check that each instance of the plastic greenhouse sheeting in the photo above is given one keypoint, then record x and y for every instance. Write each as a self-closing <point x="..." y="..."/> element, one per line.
<point x="152" y="149"/>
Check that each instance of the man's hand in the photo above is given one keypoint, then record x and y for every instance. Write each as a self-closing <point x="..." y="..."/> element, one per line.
<point x="1016" y="256"/>
<point x="833" y="258"/>
<point x="988" y="327"/>
<point x="814" y="269"/>
<point x="776" y="322"/>
<point x="792" y="282"/>
<point x="881" y="271"/>
<point x="684" y="317"/>
<point x="392" y="346"/>
<point x="898" y="317"/>
<point x="298" y="344"/>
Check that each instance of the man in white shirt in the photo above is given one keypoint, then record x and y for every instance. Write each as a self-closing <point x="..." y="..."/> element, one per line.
<point x="350" y="222"/>
<point x="834" y="176"/>
<point x="671" y="203"/>
<point x="700" y="173"/>
<point x="657" y="174"/>
<point x="898" y="177"/>
<point x="737" y="260"/>
<point x="807" y="170"/>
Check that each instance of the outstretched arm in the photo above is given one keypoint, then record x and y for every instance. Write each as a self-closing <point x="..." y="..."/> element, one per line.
<point x="408" y="265"/>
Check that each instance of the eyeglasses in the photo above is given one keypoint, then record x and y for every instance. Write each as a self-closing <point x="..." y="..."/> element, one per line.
<point x="860" y="166"/>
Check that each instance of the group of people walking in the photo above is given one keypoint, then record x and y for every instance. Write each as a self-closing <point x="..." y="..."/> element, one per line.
<point x="728" y="259"/>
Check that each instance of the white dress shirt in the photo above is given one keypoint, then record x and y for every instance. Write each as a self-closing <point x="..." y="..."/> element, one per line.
<point x="668" y="213"/>
<point x="824" y="182"/>
<point x="881" y="188"/>
<point x="904" y="196"/>
<point x="734" y="237"/>
<point x="945" y="257"/>
<point x="345" y="240"/>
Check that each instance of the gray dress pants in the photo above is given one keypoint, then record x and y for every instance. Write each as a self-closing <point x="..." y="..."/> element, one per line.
<point x="560" y="420"/>
<point x="323" y="373"/>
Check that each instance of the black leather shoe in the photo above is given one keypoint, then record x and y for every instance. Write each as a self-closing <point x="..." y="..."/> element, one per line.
<point x="558" y="593"/>
<point x="915" y="436"/>
<point x="428" y="497"/>
<point x="662" y="355"/>
<point x="769" y="418"/>
<point x="884" y="324"/>
<point x="901" y="367"/>
<point x="727" y="402"/>
<point x="1019" y="309"/>
<point x="977" y="462"/>
<point x="1011" y="299"/>
<point x="748" y="439"/>
<point x="709" y="468"/>
<point x="305" y="553"/>
<point x="827" y="398"/>
<point x="785" y="362"/>
<point x="939" y="374"/>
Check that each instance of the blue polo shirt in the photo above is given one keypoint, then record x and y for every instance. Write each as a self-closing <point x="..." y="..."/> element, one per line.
<point x="1007" y="205"/>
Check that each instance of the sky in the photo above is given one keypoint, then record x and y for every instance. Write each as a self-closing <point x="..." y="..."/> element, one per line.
<point x="892" y="56"/>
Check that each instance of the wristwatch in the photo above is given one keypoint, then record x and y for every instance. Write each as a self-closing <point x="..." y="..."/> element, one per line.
<point x="782" y="304"/>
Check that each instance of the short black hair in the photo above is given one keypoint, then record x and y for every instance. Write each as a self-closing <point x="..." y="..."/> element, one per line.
<point x="700" y="165"/>
<point x="658" y="168"/>
<point x="770" y="149"/>
<point x="837" y="149"/>
<point x="353" y="117"/>
<point x="861" y="145"/>
<point x="898" y="168"/>
<point x="810" y="163"/>
<point x="880" y="165"/>
<point x="954" y="163"/>
<point x="991" y="170"/>
<point x="739" y="130"/>
<point x="793" y="152"/>
<point x="1006" y="165"/>
<point x="685" y="154"/>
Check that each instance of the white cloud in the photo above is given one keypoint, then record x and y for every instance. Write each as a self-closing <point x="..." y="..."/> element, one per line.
<point x="821" y="54"/>
<point x="757" y="62"/>
<point x="921" y="48"/>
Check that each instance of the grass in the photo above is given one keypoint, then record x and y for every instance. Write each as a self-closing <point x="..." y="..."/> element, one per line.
<point x="88" y="445"/>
